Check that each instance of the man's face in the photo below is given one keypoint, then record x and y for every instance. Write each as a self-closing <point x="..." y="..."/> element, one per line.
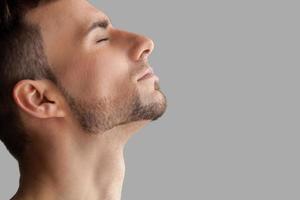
<point x="98" y="69"/>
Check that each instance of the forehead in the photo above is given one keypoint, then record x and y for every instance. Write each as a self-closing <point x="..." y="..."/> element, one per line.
<point x="63" y="24"/>
<point x="61" y="14"/>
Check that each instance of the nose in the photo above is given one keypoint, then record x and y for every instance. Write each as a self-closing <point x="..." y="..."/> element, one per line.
<point x="137" y="46"/>
<point x="145" y="49"/>
<point x="142" y="48"/>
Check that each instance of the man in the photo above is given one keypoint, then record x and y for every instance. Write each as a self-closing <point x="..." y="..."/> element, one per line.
<point x="74" y="89"/>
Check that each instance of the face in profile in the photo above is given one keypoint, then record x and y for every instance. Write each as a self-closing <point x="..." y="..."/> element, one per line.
<point x="102" y="71"/>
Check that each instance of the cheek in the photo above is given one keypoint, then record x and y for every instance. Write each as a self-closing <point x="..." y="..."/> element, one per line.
<point x="98" y="77"/>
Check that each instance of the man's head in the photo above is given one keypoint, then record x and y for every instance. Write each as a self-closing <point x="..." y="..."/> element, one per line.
<point x="63" y="62"/>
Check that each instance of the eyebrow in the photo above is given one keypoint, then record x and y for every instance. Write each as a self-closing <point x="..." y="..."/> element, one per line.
<point x="100" y="23"/>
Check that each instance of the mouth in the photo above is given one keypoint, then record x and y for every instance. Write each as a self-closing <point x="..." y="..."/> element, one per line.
<point x="148" y="73"/>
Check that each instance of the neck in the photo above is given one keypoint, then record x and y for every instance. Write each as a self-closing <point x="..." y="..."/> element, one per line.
<point x="89" y="167"/>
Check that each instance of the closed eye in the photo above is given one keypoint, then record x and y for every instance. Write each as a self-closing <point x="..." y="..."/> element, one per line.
<point x="105" y="39"/>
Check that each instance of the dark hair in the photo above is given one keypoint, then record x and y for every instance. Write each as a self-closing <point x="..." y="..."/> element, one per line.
<point x="21" y="57"/>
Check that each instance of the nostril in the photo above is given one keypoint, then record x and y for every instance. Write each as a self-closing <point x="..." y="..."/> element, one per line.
<point x="142" y="48"/>
<point x="145" y="54"/>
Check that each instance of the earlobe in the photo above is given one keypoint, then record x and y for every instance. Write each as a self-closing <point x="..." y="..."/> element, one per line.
<point x="35" y="98"/>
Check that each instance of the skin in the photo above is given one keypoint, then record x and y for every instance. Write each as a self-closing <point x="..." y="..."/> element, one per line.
<point x="79" y="128"/>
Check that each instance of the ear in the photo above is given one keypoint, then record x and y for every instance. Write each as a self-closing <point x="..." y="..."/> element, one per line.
<point x="38" y="98"/>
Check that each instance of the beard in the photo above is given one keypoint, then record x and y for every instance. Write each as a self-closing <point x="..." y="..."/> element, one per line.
<point x="106" y="113"/>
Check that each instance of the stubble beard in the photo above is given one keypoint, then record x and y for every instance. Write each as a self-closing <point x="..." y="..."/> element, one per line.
<point x="106" y="113"/>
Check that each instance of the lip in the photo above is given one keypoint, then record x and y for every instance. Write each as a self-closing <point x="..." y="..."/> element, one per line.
<point x="148" y="73"/>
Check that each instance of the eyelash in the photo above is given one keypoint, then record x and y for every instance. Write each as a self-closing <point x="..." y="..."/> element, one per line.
<point x="105" y="39"/>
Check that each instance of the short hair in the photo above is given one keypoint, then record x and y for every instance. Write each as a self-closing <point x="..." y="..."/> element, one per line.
<point x="21" y="57"/>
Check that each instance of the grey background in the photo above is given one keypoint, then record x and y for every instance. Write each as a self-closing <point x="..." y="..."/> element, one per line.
<point x="230" y="72"/>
